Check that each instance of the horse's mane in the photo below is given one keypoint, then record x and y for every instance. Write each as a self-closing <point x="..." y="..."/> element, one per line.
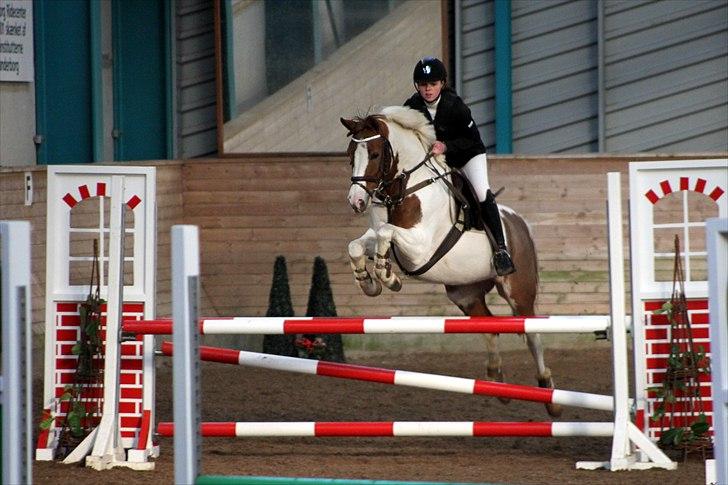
<point x="411" y="119"/>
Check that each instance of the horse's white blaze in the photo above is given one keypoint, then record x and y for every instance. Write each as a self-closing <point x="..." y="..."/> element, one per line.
<point x="358" y="197"/>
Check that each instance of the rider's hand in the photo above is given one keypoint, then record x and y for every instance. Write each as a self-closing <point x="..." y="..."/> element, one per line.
<point x="438" y="148"/>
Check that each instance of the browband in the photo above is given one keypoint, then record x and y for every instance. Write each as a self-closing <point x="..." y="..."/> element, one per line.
<point x="361" y="140"/>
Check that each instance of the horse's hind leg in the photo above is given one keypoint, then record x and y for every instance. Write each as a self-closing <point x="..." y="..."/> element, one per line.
<point x="522" y="303"/>
<point x="471" y="301"/>
<point x="544" y="373"/>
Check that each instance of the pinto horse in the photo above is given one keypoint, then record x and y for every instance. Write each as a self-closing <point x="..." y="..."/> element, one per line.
<point x="412" y="209"/>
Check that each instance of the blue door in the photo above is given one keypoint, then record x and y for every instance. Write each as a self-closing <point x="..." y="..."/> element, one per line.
<point x="69" y="82"/>
<point x="64" y="95"/>
<point x="142" y="107"/>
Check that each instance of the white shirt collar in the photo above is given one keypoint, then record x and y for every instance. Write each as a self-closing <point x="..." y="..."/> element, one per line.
<point x="432" y="107"/>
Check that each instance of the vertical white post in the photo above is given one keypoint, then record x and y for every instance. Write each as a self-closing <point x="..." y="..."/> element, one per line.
<point x="717" y="246"/>
<point x="107" y="448"/>
<point x="627" y="441"/>
<point x="185" y="304"/>
<point x="621" y="448"/>
<point x="16" y="383"/>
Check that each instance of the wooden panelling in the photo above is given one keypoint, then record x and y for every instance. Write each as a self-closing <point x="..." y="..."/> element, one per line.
<point x="252" y="210"/>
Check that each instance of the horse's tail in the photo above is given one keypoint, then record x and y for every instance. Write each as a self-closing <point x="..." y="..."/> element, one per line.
<point x="525" y="257"/>
<point x="532" y="245"/>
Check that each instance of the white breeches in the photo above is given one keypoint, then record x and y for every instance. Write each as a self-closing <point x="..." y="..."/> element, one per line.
<point x="476" y="170"/>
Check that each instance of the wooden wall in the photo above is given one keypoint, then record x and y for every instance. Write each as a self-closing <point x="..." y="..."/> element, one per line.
<point x="251" y="210"/>
<point x="12" y="207"/>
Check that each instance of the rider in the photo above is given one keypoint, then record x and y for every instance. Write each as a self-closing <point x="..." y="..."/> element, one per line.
<point x="458" y="138"/>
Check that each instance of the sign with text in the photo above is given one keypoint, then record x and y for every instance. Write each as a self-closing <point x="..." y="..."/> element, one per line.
<point x="16" y="40"/>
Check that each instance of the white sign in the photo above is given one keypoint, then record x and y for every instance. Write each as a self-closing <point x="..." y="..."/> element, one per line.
<point x="16" y="40"/>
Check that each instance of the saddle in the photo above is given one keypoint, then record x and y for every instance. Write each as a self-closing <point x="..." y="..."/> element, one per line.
<point x="466" y="202"/>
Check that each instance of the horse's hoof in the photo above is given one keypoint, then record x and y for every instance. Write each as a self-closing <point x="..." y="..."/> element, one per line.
<point x="369" y="285"/>
<point x="375" y="289"/>
<point x="396" y="286"/>
<point x="496" y="374"/>
<point x="554" y="410"/>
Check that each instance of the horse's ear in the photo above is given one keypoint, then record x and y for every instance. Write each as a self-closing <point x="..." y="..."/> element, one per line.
<point x="348" y="124"/>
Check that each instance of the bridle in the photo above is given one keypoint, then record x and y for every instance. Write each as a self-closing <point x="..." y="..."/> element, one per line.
<point x="381" y="195"/>
<point x="385" y="166"/>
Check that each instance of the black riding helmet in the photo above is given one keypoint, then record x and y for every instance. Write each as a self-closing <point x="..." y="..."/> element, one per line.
<point x="428" y="70"/>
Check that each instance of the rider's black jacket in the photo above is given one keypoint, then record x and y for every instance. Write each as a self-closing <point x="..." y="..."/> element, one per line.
<point x="454" y="126"/>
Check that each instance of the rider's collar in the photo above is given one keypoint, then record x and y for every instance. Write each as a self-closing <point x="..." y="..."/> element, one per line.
<point x="434" y="104"/>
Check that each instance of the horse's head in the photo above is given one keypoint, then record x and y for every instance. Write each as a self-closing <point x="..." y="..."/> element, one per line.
<point x="372" y="160"/>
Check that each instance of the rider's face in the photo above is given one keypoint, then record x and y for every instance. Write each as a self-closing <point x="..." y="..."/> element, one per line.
<point x="430" y="91"/>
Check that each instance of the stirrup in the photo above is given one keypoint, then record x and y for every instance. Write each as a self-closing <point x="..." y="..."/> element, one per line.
<point x="503" y="263"/>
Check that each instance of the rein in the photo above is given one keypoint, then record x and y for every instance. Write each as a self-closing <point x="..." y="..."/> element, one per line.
<point x="390" y="201"/>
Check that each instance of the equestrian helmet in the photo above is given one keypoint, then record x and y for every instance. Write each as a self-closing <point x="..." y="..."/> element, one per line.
<point x="429" y="69"/>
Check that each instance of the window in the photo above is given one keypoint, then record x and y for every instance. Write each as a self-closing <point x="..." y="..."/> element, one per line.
<point x="89" y="234"/>
<point x="682" y="214"/>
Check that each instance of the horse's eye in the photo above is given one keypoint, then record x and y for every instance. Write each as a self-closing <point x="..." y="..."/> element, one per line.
<point x="373" y="155"/>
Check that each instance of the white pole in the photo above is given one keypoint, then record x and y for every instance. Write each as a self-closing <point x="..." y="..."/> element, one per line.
<point x="185" y="314"/>
<point x="107" y="449"/>
<point x="621" y="448"/>
<point x="16" y="383"/>
<point x="717" y="246"/>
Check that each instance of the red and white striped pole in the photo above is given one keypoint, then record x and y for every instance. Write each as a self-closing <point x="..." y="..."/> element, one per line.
<point x="402" y="378"/>
<point x="353" y="325"/>
<point x="396" y="428"/>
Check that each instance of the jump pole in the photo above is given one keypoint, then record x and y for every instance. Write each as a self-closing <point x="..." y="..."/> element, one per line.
<point x="239" y="480"/>
<point x="248" y="429"/>
<point x="16" y="381"/>
<point x="401" y="378"/>
<point x="391" y="325"/>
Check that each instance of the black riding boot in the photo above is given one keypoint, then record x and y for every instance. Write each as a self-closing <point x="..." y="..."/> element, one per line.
<point x="501" y="259"/>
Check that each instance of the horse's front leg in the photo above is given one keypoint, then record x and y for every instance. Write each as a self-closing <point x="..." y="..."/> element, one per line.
<point x="407" y="240"/>
<point x="359" y="249"/>
<point x="382" y="262"/>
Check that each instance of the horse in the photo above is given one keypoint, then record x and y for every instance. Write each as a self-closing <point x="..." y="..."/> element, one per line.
<point x="412" y="207"/>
